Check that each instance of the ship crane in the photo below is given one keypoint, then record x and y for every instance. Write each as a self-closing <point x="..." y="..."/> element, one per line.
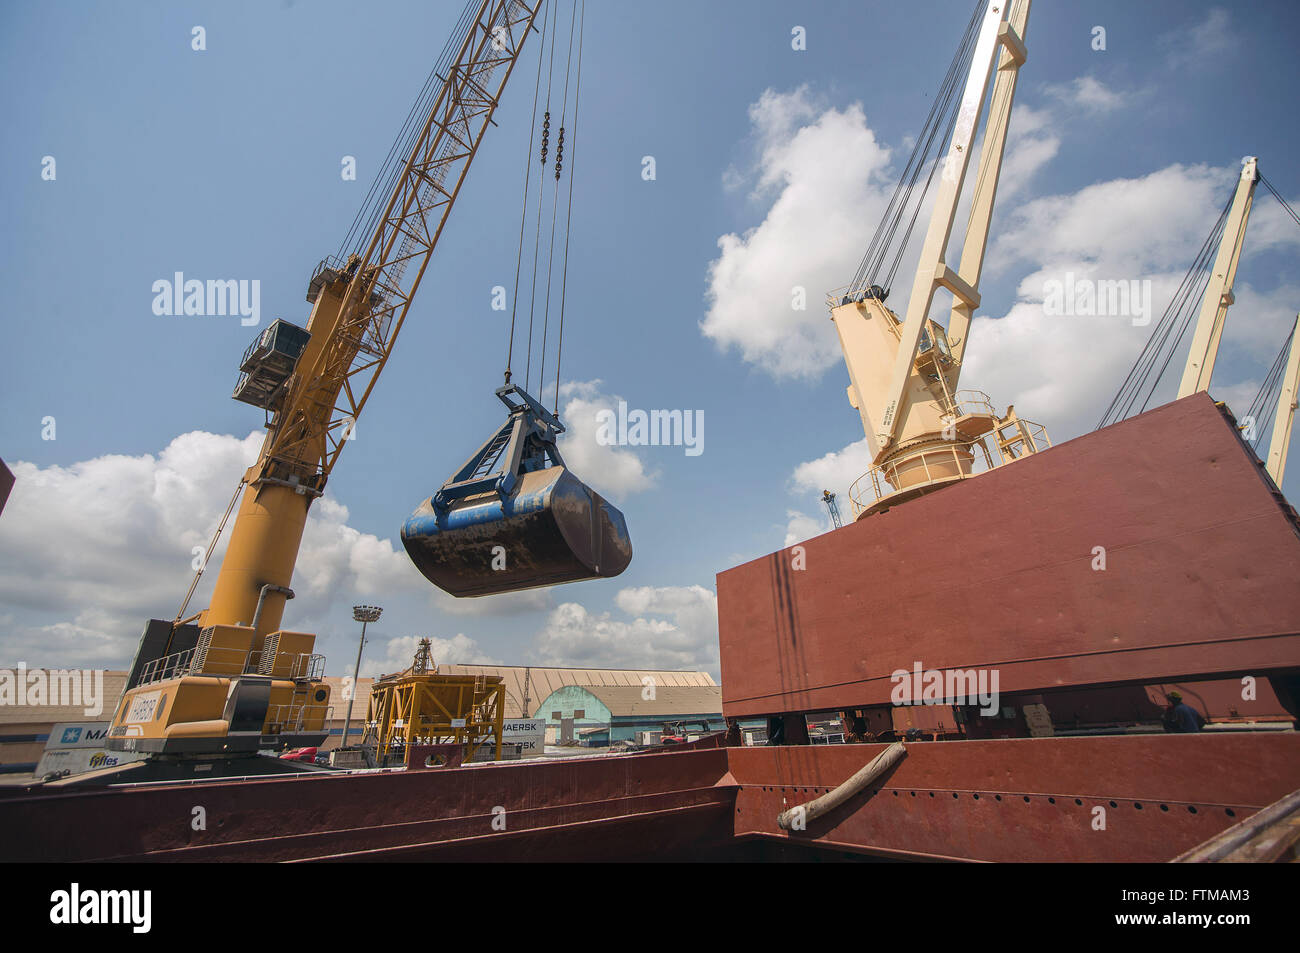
<point x="1288" y="399"/>
<point x="903" y="371"/>
<point x="228" y="680"/>
<point x="1211" y="284"/>
<point x="1284" y="375"/>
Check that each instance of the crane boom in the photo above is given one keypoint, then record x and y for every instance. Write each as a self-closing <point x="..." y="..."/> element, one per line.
<point x="359" y="308"/>
<point x="235" y="682"/>
<point x="1218" y="290"/>
<point x="903" y="372"/>
<point x="335" y="386"/>
<point x="1287" y="402"/>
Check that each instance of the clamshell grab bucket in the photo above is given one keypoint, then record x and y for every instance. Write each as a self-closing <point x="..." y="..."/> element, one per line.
<point x="515" y="517"/>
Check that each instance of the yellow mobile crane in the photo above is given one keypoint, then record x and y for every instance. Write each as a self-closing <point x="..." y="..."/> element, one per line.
<point x="229" y="680"/>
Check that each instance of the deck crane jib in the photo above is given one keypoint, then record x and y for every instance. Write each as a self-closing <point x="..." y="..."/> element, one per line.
<point x="923" y="432"/>
<point x="1201" y="303"/>
<point x="514" y="516"/>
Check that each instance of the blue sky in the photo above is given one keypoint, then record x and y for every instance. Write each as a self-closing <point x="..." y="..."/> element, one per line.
<point x="224" y="163"/>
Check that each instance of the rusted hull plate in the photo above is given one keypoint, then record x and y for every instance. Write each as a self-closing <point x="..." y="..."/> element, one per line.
<point x="1200" y="577"/>
<point x="961" y="800"/>
<point x="580" y="809"/>
<point x="1032" y="799"/>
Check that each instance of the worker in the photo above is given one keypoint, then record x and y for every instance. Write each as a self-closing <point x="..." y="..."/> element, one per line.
<point x="1180" y="717"/>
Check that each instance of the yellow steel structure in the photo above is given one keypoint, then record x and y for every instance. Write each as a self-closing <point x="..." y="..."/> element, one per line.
<point x="193" y="699"/>
<point x="421" y="707"/>
<point x="903" y="372"/>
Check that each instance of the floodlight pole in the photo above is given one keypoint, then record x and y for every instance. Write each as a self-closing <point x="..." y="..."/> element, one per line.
<point x="362" y="614"/>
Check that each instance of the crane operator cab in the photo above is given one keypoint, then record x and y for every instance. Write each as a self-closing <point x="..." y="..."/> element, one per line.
<point x="514" y="516"/>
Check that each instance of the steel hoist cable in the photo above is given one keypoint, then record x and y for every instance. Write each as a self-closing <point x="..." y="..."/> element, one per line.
<point x="1264" y="405"/>
<point x="1142" y="377"/>
<point x="887" y="245"/>
<point x="541" y="188"/>
<point x="551" y="155"/>
<point x="523" y="211"/>
<point x="1281" y="201"/>
<point x="555" y="208"/>
<point x="385" y="181"/>
<point x="568" y="219"/>
<point x="1182" y="308"/>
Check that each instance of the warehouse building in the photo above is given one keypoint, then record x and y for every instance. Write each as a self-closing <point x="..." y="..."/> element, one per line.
<point x="597" y="715"/>
<point x="527" y="687"/>
<point x="25" y="729"/>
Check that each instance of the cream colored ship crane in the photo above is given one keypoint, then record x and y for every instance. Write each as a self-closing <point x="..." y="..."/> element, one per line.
<point x="1218" y="292"/>
<point x="1218" y="297"/>
<point x="903" y="373"/>
<point x="1286" y="407"/>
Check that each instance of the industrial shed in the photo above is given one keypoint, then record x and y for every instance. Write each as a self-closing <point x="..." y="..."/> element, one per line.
<point x="528" y="686"/>
<point x="599" y="714"/>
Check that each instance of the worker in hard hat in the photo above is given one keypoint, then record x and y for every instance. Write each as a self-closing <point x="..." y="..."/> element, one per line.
<point x="1181" y="717"/>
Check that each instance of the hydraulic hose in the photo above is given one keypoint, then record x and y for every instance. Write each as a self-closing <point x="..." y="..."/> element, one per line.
<point x="876" y="768"/>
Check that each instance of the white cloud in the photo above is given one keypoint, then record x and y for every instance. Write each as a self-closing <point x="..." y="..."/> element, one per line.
<point x="400" y="652"/>
<point x="1202" y="43"/>
<point x="1129" y="225"/>
<point x="826" y="172"/>
<point x="827" y="181"/>
<point x="1239" y="397"/>
<point x="1087" y="93"/>
<point x="614" y="472"/>
<point x="1259" y="321"/>
<point x="92" y="550"/>
<point x="800" y="526"/>
<point x="835" y="471"/>
<point x="1032" y="142"/>
<point x="686" y="639"/>
<point x="1063" y="371"/>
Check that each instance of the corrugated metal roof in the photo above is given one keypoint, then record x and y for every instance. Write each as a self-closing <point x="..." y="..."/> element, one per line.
<point x="339" y="705"/>
<point x="627" y="700"/>
<point x="543" y="681"/>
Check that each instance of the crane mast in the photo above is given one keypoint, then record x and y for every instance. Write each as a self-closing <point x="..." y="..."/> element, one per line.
<point x="1287" y="402"/>
<point x="1218" y="291"/>
<point x="359" y="307"/>
<point x="234" y="680"/>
